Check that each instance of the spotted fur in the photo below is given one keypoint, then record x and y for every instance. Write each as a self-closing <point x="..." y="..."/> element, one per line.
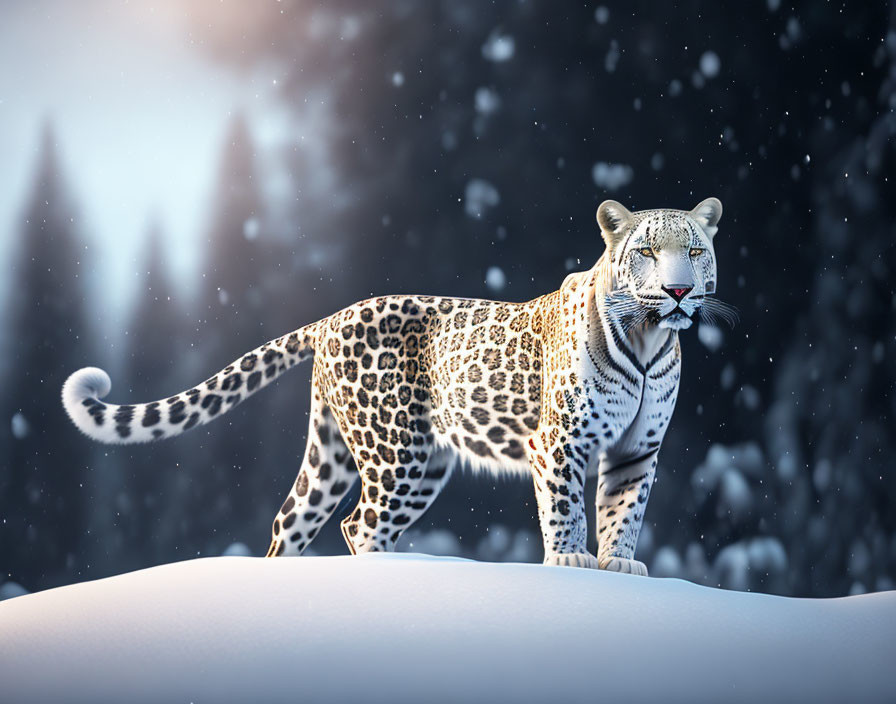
<point x="579" y="381"/>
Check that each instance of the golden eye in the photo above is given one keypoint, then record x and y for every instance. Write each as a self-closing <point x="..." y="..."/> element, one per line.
<point x="695" y="251"/>
<point x="646" y="252"/>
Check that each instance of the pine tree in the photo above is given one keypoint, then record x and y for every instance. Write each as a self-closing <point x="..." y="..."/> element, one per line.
<point x="228" y="472"/>
<point x="154" y="483"/>
<point x="44" y="462"/>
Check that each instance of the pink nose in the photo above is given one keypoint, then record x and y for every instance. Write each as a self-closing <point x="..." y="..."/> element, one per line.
<point x="677" y="292"/>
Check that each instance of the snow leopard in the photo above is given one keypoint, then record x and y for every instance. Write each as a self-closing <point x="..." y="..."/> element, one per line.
<point x="577" y="383"/>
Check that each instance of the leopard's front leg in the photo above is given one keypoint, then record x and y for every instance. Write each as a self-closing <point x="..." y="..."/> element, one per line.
<point x="622" y="492"/>
<point x="558" y="465"/>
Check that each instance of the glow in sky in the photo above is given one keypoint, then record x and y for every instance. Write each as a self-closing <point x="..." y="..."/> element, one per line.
<point x="139" y="112"/>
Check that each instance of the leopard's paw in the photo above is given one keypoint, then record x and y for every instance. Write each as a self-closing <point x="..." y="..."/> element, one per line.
<point x="624" y="565"/>
<point x="572" y="559"/>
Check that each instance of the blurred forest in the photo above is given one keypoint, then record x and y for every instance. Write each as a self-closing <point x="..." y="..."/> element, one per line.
<point x="462" y="148"/>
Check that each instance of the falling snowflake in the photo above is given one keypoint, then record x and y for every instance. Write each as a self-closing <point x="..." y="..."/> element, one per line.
<point x="612" y="176"/>
<point x="499" y="47"/>
<point x="251" y="229"/>
<point x="495" y="279"/>
<point x="479" y="196"/>
<point x="711" y="337"/>
<point x="710" y="64"/>
<point x="20" y="426"/>
<point x="486" y="101"/>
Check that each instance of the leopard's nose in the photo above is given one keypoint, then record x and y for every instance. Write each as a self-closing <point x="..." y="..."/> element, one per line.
<point x="677" y="292"/>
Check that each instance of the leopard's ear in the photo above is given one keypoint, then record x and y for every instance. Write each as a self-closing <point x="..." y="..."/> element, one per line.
<point x="614" y="220"/>
<point x="707" y="215"/>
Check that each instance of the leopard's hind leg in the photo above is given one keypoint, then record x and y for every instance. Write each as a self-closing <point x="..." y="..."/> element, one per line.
<point x="394" y="496"/>
<point x="327" y="473"/>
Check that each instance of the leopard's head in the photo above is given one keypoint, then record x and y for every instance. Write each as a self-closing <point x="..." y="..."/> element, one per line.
<point x="663" y="263"/>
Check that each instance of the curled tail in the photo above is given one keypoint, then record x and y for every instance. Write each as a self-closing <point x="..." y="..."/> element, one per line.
<point x="106" y="422"/>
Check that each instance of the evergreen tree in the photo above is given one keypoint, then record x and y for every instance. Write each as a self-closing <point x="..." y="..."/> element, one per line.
<point x="152" y="500"/>
<point x="231" y="490"/>
<point x="232" y="273"/>
<point x="44" y="462"/>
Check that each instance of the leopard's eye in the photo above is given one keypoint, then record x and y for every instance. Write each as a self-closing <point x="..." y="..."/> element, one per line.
<point x="696" y="251"/>
<point x="646" y="252"/>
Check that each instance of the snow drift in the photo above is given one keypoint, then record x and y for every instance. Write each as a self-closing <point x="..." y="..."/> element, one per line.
<point x="410" y="628"/>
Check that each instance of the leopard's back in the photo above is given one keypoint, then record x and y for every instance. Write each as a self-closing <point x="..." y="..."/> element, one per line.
<point x="465" y="371"/>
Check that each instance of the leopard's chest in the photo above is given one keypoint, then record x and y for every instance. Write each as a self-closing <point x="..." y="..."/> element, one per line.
<point x="632" y="414"/>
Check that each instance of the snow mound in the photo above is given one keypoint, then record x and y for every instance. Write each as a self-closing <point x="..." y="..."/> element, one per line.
<point x="409" y="628"/>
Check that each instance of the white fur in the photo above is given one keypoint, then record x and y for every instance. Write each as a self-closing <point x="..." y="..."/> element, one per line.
<point x="89" y="382"/>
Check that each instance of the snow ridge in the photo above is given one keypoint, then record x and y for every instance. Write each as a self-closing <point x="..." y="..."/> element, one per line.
<point x="410" y="628"/>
